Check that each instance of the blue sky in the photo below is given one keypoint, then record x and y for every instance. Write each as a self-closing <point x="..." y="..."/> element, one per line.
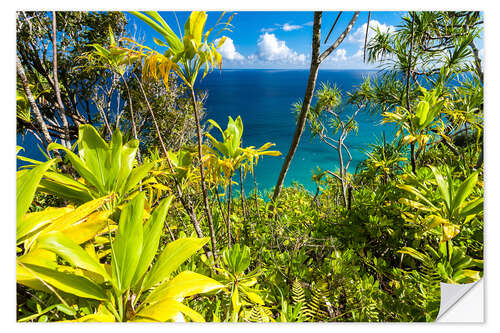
<point x="277" y="39"/>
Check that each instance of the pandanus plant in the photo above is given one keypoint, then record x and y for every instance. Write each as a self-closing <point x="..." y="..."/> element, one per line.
<point x="105" y="168"/>
<point x="185" y="55"/>
<point x="229" y="156"/>
<point x="128" y="288"/>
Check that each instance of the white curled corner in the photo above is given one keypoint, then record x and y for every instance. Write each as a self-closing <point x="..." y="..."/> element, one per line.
<point x="461" y="303"/>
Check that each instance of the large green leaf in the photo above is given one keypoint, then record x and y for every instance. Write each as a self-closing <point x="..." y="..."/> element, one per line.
<point x="185" y="284"/>
<point x="465" y="190"/>
<point x="173" y="42"/>
<point x="64" y="247"/>
<point x="79" y="166"/>
<point x="442" y="186"/>
<point x="26" y="185"/>
<point x="167" y="309"/>
<point x="127" y="246"/>
<point x="127" y="156"/>
<point x="196" y="23"/>
<point x="174" y="254"/>
<point x="152" y="233"/>
<point x="34" y="222"/>
<point x="93" y="151"/>
<point x="136" y="175"/>
<point x="67" y="282"/>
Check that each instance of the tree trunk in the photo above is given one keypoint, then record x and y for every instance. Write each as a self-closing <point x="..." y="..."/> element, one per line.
<point x="255" y="193"/>
<point x="229" y="214"/>
<point x="186" y="204"/>
<point x="208" y="211"/>
<point x="311" y="84"/>
<point x="132" y="118"/>
<point x="316" y="60"/>
<point x="31" y="99"/>
<point x="66" y="142"/>
<point x="243" y="203"/>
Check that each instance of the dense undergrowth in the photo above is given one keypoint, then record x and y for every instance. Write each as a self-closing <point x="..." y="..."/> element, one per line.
<point x="103" y="235"/>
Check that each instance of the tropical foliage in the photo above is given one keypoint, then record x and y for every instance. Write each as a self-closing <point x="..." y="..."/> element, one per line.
<point x="105" y="233"/>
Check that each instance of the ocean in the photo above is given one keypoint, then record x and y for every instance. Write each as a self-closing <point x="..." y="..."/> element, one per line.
<point x="263" y="98"/>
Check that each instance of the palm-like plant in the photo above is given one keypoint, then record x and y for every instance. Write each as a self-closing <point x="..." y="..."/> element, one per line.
<point x="118" y="286"/>
<point x="185" y="55"/>
<point x="105" y="168"/>
<point x="228" y="155"/>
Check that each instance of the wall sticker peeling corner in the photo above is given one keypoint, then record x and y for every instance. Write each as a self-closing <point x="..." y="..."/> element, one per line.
<point x="462" y="303"/>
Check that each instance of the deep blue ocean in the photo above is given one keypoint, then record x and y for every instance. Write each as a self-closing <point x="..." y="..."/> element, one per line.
<point x="263" y="99"/>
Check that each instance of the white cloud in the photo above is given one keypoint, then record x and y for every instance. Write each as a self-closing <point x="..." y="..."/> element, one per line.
<point x="290" y="27"/>
<point x="358" y="36"/>
<point x="267" y="29"/>
<point x="338" y="55"/>
<point x="270" y="48"/>
<point x="286" y="27"/>
<point x="228" y="50"/>
<point x="309" y="24"/>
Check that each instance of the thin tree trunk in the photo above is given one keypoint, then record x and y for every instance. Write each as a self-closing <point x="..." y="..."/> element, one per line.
<point x="243" y="203"/>
<point x="185" y="202"/>
<point x="342" y="173"/>
<point x="316" y="60"/>
<point x="229" y="214"/>
<point x="31" y="99"/>
<point x="311" y="84"/>
<point x="220" y="204"/>
<point x="255" y="194"/>
<point x="208" y="211"/>
<point x="67" y="141"/>
<point x="408" y="102"/>
<point x="413" y="157"/>
<point x="132" y="118"/>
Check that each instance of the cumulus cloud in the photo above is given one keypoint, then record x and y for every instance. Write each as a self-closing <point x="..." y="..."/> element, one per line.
<point x="228" y="50"/>
<point x="290" y="27"/>
<point x="338" y="56"/>
<point x="270" y="48"/>
<point x="358" y="36"/>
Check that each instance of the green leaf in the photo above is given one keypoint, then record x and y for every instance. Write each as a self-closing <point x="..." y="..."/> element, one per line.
<point x="185" y="284"/>
<point x="127" y="156"/>
<point x="152" y="233"/>
<point x="196" y="24"/>
<point x="64" y="247"/>
<point x="79" y="166"/>
<point x="473" y="207"/>
<point x="127" y="246"/>
<point x="34" y="222"/>
<point x="174" y="254"/>
<point x="26" y="185"/>
<point x="168" y="309"/>
<point x="65" y="187"/>
<point x="94" y="151"/>
<point x="67" y="282"/>
<point x="136" y="176"/>
<point x="465" y="190"/>
<point x="163" y="28"/>
<point x="442" y="185"/>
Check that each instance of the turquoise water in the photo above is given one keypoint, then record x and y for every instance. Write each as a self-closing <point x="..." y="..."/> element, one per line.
<point x="263" y="99"/>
